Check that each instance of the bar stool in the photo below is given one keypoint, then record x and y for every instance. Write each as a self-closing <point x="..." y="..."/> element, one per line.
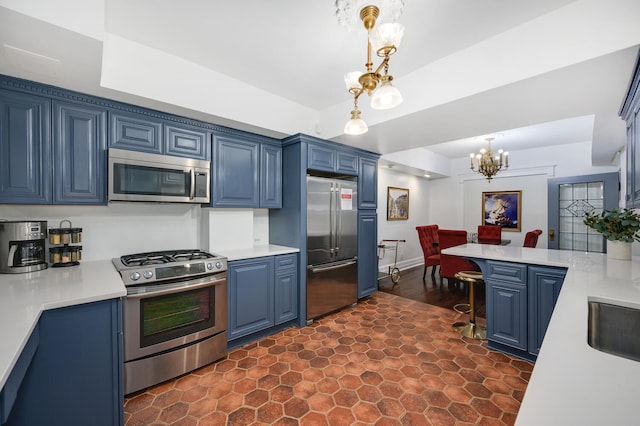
<point x="470" y="329"/>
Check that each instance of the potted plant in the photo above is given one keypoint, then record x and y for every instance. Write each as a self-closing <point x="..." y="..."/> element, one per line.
<point x="620" y="227"/>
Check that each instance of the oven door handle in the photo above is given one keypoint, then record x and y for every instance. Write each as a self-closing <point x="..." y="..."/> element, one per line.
<point x="177" y="288"/>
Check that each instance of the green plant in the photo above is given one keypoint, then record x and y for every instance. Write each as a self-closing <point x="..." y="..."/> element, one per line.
<point x="616" y="224"/>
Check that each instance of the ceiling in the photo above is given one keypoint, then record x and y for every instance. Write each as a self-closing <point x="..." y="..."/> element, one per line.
<point x="540" y="73"/>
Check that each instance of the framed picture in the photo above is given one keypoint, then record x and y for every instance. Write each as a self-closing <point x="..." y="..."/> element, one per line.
<point x="502" y="208"/>
<point x="397" y="203"/>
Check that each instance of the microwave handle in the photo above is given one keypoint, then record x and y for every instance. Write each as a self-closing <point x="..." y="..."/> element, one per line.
<point x="12" y="253"/>
<point x="192" y="192"/>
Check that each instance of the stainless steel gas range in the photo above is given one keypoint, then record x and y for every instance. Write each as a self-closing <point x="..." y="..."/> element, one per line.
<point x="174" y="314"/>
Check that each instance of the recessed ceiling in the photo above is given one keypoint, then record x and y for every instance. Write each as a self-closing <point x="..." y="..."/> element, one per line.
<point x="543" y="72"/>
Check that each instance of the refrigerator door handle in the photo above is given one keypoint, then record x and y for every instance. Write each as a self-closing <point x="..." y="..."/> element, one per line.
<point x="332" y="221"/>
<point x="315" y="269"/>
<point x="338" y="218"/>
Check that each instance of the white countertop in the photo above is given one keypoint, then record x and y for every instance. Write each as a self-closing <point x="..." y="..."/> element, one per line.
<point x="23" y="297"/>
<point x="257" y="251"/>
<point x="572" y="383"/>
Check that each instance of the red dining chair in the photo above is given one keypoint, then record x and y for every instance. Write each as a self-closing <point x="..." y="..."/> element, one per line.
<point x="531" y="238"/>
<point x="489" y="234"/>
<point x="450" y="264"/>
<point x="428" y="236"/>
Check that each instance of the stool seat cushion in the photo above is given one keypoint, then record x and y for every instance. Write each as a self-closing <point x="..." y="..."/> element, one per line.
<point x="469" y="275"/>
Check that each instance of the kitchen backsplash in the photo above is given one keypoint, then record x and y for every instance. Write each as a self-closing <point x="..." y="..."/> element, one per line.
<point x="125" y="228"/>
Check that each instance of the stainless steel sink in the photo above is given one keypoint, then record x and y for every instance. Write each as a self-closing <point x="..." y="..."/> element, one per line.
<point x="614" y="329"/>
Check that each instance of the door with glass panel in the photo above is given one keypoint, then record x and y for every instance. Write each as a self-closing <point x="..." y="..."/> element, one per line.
<point x="570" y="199"/>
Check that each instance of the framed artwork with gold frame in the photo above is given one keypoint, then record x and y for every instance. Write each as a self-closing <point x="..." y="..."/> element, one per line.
<point x="397" y="203"/>
<point x="502" y="208"/>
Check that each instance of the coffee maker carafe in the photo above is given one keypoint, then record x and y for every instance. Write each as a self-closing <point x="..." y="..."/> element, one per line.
<point x="22" y="246"/>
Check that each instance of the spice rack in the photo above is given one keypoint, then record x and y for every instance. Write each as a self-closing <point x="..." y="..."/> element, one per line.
<point x="64" y="250"/>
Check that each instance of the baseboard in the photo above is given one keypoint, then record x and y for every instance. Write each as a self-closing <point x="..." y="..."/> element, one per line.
<point x="402" y="264"/>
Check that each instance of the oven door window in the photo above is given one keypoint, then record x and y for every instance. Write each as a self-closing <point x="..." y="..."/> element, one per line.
<point x="131" y="179"/>
<point x="175" y="315"/>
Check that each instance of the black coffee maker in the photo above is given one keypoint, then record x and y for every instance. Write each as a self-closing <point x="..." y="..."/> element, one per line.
<point x="22" y="246"/>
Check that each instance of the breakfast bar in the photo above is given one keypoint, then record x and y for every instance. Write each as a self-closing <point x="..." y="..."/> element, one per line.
<point x="573" y="383"/>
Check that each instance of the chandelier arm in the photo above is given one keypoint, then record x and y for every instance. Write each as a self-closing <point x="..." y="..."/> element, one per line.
<point x="384" y="64"/>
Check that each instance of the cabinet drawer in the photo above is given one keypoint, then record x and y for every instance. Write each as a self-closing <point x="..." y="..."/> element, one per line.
<point x="285" y="262"/>
<point x="514" y="273"/>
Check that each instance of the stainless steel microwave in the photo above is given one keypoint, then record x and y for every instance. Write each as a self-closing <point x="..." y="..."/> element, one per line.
<point x="139" y="176"/>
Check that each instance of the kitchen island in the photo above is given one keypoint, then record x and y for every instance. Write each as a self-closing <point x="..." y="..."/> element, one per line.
<point x="59" y="336"/>
<point x="572" y="383"/>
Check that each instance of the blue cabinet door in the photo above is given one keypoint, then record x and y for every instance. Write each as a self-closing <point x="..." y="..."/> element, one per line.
<point x="187" y="141"/>
<point x="25" y="144"/>
<point x="368" y="184"/>
<point x="270" y="176"/>
<point x="286" y="288"/>
<point x="75" y="377"/>
<point x="251" y="296"/>
<point x="507" y="313"/>
<point x="138" y="132"/>
<point x="79" y="154"/>
<point x="235" y="173"/>
<point x="346" y="163"/>
<point x="367" y="253"/>
<point x="321" y="158"/>
<point x="544" y="287"/>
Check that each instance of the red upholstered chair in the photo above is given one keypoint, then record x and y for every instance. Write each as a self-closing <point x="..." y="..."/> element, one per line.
<point x="489" y="234"/>
<point x="531" y="238"/>
<point x="428" y="236"/>
<point x="450" y="264"/>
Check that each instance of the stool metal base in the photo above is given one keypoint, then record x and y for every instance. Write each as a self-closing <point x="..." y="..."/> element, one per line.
<point x="462" y="308"/>
<point x="471" y="330"/>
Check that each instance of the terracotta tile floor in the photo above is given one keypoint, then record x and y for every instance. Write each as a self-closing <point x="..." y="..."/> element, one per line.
<point x="387" y="361"/>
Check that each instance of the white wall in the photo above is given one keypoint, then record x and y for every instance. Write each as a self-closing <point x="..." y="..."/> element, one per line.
<point x="456" y="202"/>
<point x="124" y="228"/>
<point x="409" y="253"/>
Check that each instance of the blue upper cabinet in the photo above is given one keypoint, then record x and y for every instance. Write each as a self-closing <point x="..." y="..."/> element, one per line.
<point x="235" y="173"/>
<point x="25" y="143"/>
<point x="138" y="132"/>
<point x="368" y="183"/>
<point x="246" y="173"/>
<point x="270" y="176"/>
<point x="187" y="141"/>
<point x="332" y="160"/>
<point x="79" y="154"/>
<point x="151" y="133"/>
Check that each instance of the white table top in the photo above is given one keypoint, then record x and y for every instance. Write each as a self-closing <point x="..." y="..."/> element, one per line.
<point x="572" y="383"/>
<point x="23" y="297"/>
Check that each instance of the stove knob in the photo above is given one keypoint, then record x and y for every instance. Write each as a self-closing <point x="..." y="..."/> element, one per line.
<point x="147" y="274"/>
<point x="209" y="266"/>
<point x="218" y="265"/>
<point x="135" y="276"/>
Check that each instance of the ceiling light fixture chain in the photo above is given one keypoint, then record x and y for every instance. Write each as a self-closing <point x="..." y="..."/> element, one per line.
<point x="488" y="164"/>
<point x="385" y="40"/>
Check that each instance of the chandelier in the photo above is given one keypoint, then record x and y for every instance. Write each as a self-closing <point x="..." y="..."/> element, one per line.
<point x="486" y="163"/>
<point x="384" y="41"/>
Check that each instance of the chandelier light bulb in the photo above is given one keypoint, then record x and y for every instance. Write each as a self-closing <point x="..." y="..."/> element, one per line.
<point x="386" y="36"/>
<point x="386" y="97"/>
<point x="355" y="127"/>
<point x="351" y="80"/>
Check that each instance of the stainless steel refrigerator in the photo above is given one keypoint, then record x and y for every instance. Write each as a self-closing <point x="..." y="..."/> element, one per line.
<point x="332" y="244"/>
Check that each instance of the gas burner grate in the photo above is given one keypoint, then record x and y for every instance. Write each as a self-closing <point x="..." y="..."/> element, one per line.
<point x="162" y="257"/>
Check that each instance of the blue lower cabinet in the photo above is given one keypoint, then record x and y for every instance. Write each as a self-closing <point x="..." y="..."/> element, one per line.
<point x="507" y="314"/>
<point x="286" y="290"/>
<point x="544" y="286"/>
<point x="263" y="293"/>
<point x="75" y="377"/>
<point x="251" y="296"/>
